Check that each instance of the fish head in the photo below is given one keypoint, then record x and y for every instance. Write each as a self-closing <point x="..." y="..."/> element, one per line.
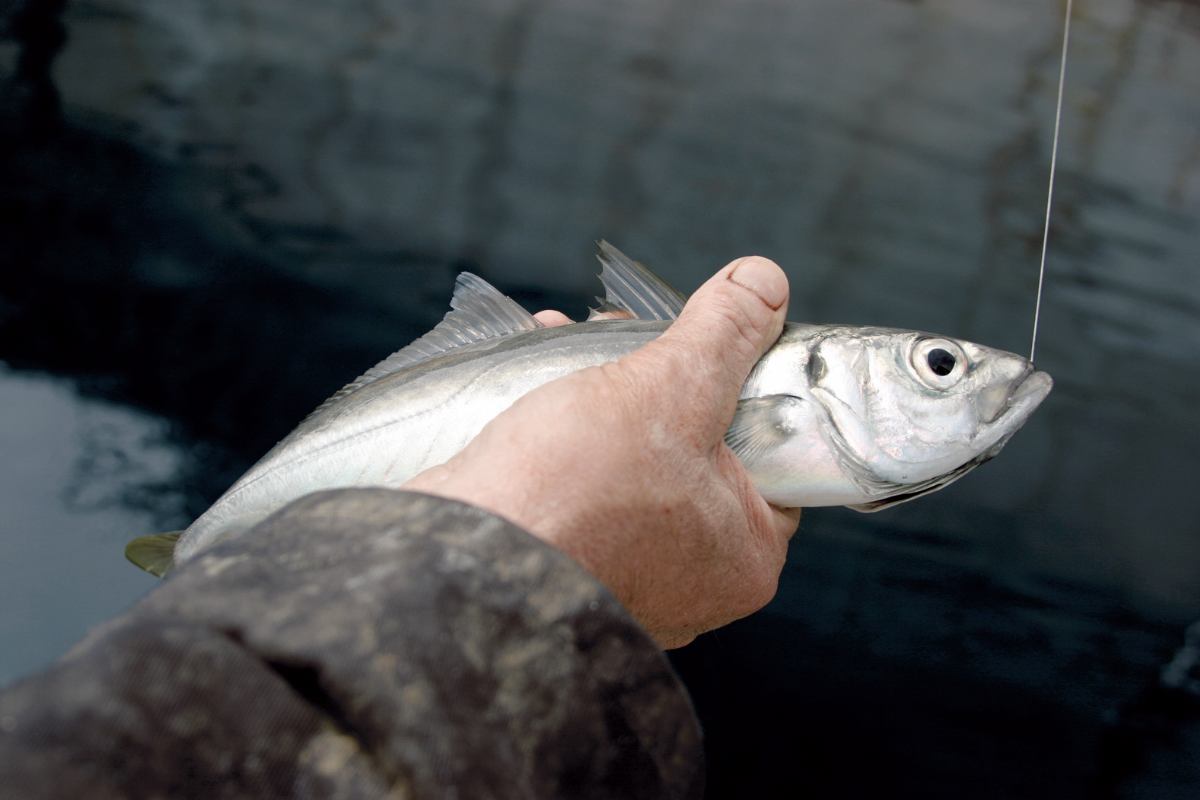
<point x="910" y="412"/>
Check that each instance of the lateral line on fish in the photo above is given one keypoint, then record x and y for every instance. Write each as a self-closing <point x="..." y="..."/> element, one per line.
<point x="839" y="450"/>
<point x="548" y="346"/>
<point x="1062" y="79"/>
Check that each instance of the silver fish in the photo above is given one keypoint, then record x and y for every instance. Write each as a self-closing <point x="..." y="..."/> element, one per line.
<point x="831" y="415"/>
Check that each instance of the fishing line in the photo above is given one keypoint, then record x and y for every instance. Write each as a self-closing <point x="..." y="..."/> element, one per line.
<point x="1062" y="78"/>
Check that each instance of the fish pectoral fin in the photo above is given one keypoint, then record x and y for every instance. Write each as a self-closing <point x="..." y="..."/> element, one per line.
<point x="761" y="423"/>
<point x="630" y="286"/>
<point x="155" y="554"/>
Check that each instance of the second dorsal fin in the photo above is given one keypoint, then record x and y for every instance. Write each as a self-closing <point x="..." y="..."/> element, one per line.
<point x="630" y="286"/>
<point x="478" y="311"/>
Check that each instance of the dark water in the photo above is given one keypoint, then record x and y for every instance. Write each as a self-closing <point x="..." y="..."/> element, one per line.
<point x="213" y="215"/>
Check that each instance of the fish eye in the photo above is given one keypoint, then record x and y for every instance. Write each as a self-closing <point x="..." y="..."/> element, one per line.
<point x="939" y="363"/>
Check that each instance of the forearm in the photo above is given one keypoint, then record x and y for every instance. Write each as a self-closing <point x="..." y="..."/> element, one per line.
<point x="362" y="641"/>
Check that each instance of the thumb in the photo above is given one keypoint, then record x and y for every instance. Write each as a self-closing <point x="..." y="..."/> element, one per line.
<point x="726" y="326"/>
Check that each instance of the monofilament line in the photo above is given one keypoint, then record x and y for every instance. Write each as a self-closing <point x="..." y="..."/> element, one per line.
<point x="1062" y="79"/>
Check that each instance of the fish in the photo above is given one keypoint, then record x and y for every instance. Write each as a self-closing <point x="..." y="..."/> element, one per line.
<point x="865" y="417"/>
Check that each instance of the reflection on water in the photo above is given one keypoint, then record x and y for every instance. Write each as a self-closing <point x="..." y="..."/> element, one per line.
<point x="241" y="206"/>
<point x="78" y="479"/>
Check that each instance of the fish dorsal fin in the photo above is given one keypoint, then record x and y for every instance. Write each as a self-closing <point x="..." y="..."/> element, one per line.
<point x="630" y="286"/>
<point x="478" y="312"/>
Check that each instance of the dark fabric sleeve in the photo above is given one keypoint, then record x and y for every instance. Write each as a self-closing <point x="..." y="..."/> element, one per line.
<point x="361" y="643"/>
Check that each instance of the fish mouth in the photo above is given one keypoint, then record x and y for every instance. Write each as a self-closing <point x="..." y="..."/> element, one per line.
<point x="1015" y="401"/>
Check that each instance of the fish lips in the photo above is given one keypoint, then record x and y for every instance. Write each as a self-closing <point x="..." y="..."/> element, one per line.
<point x="1013" y="401"/>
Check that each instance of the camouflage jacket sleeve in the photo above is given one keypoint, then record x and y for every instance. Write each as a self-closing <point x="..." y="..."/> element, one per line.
<point x="361" y="643"/>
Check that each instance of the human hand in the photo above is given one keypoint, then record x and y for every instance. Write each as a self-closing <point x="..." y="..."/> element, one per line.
<point x="636" y="482"/>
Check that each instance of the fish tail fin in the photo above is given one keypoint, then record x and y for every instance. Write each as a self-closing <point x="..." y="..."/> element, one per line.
<point x="155" y="554"/>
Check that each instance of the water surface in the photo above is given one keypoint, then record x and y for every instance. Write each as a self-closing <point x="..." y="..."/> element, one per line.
<point x="78" y="478"/>
<point x="222" y="213"/>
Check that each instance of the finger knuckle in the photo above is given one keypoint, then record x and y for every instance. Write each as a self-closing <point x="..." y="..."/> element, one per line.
<point x="761" y="590"/>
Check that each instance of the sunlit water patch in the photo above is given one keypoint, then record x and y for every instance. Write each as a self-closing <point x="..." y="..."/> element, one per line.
<point x="78" y="478"/>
